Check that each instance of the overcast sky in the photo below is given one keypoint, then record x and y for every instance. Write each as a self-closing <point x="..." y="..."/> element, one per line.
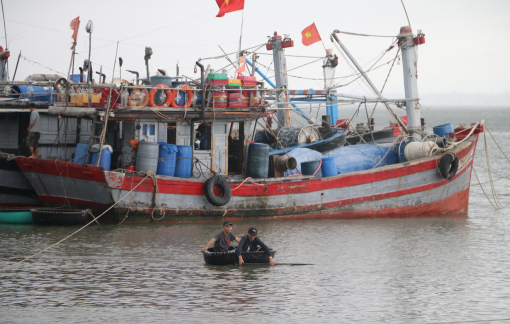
<point x="467" y="43"/>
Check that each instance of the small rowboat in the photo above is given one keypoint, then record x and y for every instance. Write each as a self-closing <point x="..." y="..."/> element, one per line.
<point x="52" y="216"/>
<point x="17" y="215"/>
<point x="230" y="257"/>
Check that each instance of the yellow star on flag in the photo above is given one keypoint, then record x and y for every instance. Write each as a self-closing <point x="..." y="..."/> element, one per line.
<point x="226" y="1"/>
<point x="307" y="35"/>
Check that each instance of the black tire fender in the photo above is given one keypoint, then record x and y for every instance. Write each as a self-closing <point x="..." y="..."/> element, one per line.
<point x="209" y="190"/>
<point x="448" y="166"/>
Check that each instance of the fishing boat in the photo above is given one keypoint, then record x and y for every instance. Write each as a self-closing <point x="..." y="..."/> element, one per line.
<point x="230" y="257"/>
<point x="228" y="176"/>
<point x="15" y="97"/>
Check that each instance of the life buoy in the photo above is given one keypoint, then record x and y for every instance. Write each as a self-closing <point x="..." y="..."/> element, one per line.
<point x="134" y="92"/>
<point x="169" y="96"/>
<point x="188" y="92"/>
<point x="448" y="166"/>
<point x="211" y="196"/>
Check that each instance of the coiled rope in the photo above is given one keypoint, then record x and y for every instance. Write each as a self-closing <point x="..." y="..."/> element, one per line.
<point x="418" y="150"/>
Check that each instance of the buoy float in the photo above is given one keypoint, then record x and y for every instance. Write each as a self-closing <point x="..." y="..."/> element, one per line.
<point x="169" y="96"/>
<point x="188" y="92"/>
<point x="137" y="91"/>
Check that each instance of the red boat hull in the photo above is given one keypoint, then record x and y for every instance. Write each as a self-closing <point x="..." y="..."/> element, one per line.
<point x="408" y="189"/>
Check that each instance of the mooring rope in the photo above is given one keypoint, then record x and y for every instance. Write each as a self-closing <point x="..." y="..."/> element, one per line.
<point x="494" y="194"/>
<point x="65" y="238"/>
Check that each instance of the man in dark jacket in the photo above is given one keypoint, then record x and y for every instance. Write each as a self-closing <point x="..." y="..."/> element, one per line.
<point x="249" y="243"/>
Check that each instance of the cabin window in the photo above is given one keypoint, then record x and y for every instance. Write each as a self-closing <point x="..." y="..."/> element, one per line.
<point x="203" y="137"/>
<point x="149" y="132"/>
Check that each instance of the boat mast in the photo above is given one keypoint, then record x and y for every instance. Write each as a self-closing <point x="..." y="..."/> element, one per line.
<point x="407" y="44"/>
<point x="280" y="69"/>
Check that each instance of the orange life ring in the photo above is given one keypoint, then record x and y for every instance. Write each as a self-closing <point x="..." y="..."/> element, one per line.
<point x="145" y="100"/>
<point x="169" y="95"/>
<point x="188" y="92"/>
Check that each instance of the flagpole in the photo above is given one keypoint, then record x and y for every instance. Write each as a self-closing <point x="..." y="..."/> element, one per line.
<point x="321" y="37"/>
<point x="240" y="38"/>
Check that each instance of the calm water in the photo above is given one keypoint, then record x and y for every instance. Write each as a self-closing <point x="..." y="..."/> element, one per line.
<point x="413" y="270"/>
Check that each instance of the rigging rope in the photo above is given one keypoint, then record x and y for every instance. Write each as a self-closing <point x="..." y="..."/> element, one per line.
<point x="366" y="35"/>
<point x="387" y="77"/>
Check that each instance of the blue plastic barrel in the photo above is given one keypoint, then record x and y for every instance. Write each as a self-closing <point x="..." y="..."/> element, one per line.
<point x="443" y="130"/>
<point x="38" y="93"/>
<point x="161" y="79"/>
<point x="181" y="100"/>
<point x="183" y="165"/>
<point x="80" y="156"/>
<point x="76" y="78"/>
<point x="328" y="167"/>
<point x="400" y="149"/>
<point x="167" y="159"/>
<point x="309" y="168"/>
<point x="106" y="159"/>
<point x="257" y="165"/>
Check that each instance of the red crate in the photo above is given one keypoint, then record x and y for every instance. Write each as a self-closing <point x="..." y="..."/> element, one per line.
<point x="218" y="83"/>
<point x="235" y="96"/>
<point x="220" y="99"/>
<point x="248" y="80"/>
<point x="255" y="98"/>
<point x="235" y="104"/>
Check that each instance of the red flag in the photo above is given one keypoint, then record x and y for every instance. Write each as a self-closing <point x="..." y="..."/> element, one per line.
<point x="310" y="35"/>
<point x="75" y="23"/>
<point x="227" y="6"/>
<point x="241" y="69"/>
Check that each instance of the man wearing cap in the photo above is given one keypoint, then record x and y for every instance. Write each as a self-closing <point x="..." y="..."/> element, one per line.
<point x="249" y="243"/>
<point x="222" y="239"/>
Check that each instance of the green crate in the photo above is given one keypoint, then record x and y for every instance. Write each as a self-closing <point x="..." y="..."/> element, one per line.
<point x="217" y="76"/>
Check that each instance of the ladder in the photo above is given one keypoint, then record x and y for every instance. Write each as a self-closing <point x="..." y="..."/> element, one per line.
<point x="95" y="136"/>
<point x="98" y="127"/>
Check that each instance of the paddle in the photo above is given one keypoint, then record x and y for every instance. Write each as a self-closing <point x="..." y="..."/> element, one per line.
<point x="291" y="264"/>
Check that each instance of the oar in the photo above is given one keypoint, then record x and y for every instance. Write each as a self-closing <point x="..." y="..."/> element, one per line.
<point x="291" y="264"/>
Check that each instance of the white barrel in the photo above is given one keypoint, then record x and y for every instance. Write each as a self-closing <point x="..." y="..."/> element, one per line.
<point x="147" y="157"/>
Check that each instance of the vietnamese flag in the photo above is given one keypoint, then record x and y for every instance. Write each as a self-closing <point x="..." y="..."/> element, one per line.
<point x="227" y="6"/>
<point x="310" y="35"/>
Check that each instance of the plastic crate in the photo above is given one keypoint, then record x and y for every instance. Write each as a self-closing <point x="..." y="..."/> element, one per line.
<point x="235" y="96"/>
<point x="248" y="81"/>
<point x="235" y="104"/>
<point x="234" y="83"/>
<point x="218" y="83"/>
<point x="217" y="76"/>
<point x="220" y="99"/>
